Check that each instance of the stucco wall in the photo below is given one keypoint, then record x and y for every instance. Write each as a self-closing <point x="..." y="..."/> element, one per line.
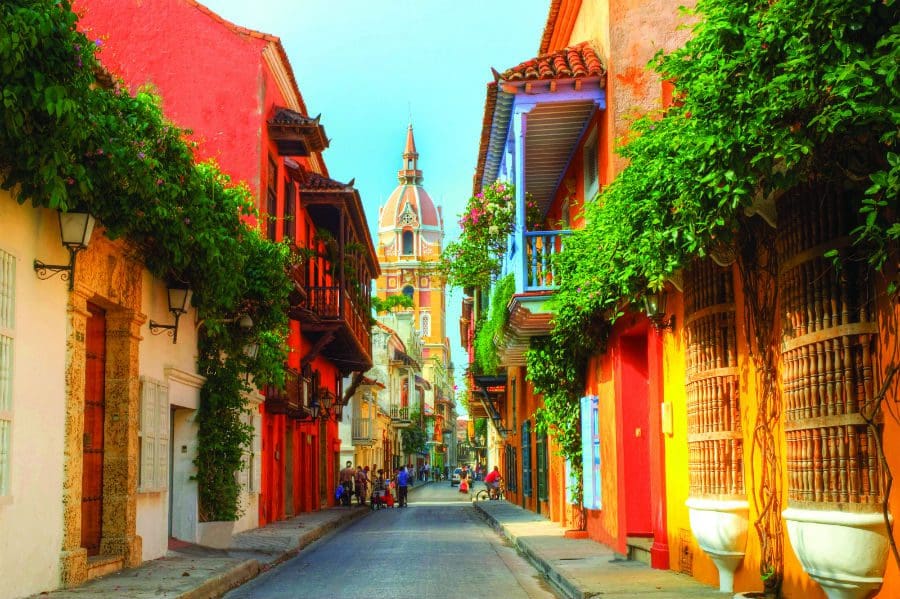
<point x="175" y="365"/>
<point x="31" y="518"/>
<point x="184" y="54"/>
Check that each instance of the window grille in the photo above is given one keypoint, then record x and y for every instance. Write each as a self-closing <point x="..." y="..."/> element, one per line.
<point x="591" y="168"/>
<point x="526" y="459"/>
<point x="7" y="337"/>
<point x="290" y="217"/>
<point x="542" y="467"/>
<point x="272" y="200"/>
<point x="512" y="470"/>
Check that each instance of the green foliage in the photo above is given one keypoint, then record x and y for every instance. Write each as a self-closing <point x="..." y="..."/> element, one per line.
<point x="487" y="360"/>
<point x="414" y="436"/>
<point x="67" y="142"/>
<point x="391" y="302"/>
<point x="771" y="95"/>
<point x="476" y="257"/>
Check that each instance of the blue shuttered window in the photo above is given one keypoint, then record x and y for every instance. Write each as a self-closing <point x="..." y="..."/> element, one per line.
<point x="590" y="452"/>
<point x="526" y="459"/>
<point x="542" y="467"/>
<point x="512" y="469"/>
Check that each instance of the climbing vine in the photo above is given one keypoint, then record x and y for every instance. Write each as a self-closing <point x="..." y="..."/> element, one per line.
<point x="73" y="138"/>
<point x="487" y="359"/>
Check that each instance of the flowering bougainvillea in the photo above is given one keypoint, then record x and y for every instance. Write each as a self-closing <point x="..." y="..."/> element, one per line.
<point x="486" y="223"/>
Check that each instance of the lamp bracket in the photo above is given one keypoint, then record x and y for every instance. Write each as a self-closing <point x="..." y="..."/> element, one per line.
<point x="65" y="271"/>
<point x="157" y="328"/>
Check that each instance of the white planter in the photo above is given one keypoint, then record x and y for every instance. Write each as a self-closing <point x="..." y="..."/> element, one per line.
<point x="215" y="534"/>
<point x="844" y="552"/>
<point x="720" y="527"/>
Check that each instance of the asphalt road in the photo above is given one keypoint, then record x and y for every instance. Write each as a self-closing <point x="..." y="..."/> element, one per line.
<point x="436" y="547"/>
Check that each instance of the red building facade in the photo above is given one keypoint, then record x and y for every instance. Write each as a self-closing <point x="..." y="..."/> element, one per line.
<point x="235" y="90"/>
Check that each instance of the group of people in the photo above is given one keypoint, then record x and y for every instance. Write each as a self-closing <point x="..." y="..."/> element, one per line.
<point x="356" y="481"/>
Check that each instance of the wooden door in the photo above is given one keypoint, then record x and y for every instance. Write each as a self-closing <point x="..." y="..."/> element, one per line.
<point x="94" y="412"/>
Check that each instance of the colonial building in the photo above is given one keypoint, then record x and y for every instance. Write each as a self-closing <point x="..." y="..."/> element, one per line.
<point x="410" y="237"/>
<point x="252" y="119"/>
<point x="696" y="457"/>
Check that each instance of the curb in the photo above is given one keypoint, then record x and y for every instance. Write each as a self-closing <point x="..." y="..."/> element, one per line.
<point x="313" y="536"/>
<point x="248" y="570"/>
<point x="222" y="583"/>
<point x="565" y="586"/>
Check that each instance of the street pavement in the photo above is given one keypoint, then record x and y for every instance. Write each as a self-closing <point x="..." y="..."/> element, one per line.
<point x="436" y="547"/>
<point x="580" y="568"/>
<point x="442" y="545"/>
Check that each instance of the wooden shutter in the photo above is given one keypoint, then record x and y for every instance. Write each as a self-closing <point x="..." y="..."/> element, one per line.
<point x="526" y="459"/>
<point x="162" y="437"/>
<point x="154" y="434"/>
<point x="542" y="467"/>
<point x="149" y="414"/>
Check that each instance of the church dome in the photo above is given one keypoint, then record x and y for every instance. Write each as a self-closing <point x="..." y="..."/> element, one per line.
<point x="409" y="204"/>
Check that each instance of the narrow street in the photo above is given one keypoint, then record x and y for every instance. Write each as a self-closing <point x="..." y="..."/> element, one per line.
<point x="438" y="547"/>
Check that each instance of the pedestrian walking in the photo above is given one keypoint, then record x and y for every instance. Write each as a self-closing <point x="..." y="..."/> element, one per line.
<point x="402" y="486"/>
<point x="362" y="484"/>
<point x="346" y="477"/>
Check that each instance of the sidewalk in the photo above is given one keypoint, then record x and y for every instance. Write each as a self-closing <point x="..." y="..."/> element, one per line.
<point x="580" y="569"/>
<point x="195" y="572"/>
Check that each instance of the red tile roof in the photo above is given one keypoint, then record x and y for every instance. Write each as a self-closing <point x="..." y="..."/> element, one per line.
<point x="580" y="60"/>
<point x="549" y="26"/>
<point x="310" y="181"/>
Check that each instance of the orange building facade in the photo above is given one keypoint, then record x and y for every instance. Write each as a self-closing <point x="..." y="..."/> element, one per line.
<point x="741" y="431"/>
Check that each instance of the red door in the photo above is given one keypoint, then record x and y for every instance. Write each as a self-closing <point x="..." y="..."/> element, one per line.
<point x="635" y="440"/>
<point x="94" y="409"/>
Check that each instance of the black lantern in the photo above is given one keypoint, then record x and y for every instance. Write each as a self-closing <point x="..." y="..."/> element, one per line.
<point x="314" y="408"/>
<point x="655" y="308"/>
<point x="75" y="230"/>
<point x="179" y="297"/>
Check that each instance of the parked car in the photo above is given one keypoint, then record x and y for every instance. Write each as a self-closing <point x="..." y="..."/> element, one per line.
<point x="454" y="478"/>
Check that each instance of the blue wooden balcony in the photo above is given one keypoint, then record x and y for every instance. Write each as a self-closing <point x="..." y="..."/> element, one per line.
<point x="531" y="260"/>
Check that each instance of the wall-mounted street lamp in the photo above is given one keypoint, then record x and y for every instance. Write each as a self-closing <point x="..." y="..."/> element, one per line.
<point x="75" y="232"/>
<point x="655" y="308"/>
<point x="179" y="297"/>
<point x="314" y="409"/>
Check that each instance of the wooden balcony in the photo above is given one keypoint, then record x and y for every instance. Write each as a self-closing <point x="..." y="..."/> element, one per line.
<point x="538" y="272"/>
<point x="362" y="432"/>
<point x="331" y="314"/>
<point x="400" y="416"/>
<point x="288" y="400"/>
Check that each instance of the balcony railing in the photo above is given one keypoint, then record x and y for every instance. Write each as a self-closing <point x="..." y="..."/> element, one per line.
<point x="538" y="273"/>
<point x="400" y="415"/>
<point x="362" y="431"/>
<point x="288" y="400"/>
<point x="335" y="303"/>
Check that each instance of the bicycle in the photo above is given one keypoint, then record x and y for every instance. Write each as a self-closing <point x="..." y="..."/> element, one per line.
<point x="485" y="494"/>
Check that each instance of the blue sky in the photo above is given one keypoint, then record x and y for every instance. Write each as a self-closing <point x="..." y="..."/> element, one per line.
<point x="368" y="65"/>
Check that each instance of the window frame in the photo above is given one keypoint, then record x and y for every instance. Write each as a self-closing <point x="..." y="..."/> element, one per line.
<point x="543" y="467"/>
<point x="8" y="270"/>
<point x="272" y="199"/>
<point x="404" y="236"/>
<point x="590" y="157"/>
<point x="153" y="437"/>
<point x="527" y="471"/>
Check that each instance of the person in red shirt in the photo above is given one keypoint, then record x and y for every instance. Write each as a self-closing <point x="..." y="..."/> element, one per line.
<point x="492" y="481"/>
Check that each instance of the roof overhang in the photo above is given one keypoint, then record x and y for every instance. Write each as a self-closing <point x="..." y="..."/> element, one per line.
<point x="556" y="98"/>
<point x="295" y="134"/>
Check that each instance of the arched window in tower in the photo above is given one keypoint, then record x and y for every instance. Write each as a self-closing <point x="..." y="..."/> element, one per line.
<point x="408" y="291"/>
<point x="407" y="243"/>
<point x="425" y="324"/>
